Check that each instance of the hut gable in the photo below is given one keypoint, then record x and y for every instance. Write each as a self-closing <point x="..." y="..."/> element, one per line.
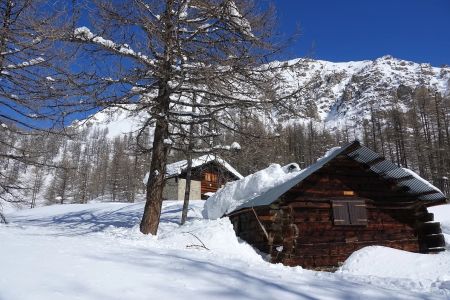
<point x="209" y="173"/>
<point x="347" y="200"/>
<point x="178" y="168"/>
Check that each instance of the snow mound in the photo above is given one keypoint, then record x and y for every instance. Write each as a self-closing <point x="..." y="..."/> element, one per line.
<point x="236" y="193"/>
<point x="120" y="222"/>
<point x="426" y="270"/>
<point x="217" y="236"/>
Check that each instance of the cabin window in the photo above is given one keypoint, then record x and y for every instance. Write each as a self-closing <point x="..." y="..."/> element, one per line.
<point x="210" y="177"/>
<point x="349" y="213"/>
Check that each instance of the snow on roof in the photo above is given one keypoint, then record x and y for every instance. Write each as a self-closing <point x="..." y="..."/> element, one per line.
<point x="236" y="193"/>
<point x="425" y="182"/>
<point x="259" y="190"/>
<point x="176" y="168"/>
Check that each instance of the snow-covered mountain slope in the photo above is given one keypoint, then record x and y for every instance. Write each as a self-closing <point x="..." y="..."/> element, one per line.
<point x="340" y="92"/>
<point x="336" y="93"/>
<point x="95" y="251"/>
<point x="118" y="120"/>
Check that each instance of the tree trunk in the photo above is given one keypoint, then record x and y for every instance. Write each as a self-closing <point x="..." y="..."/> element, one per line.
<point x="155" y="183"/>
<point x="6" y="16"/>
<point x="187" y="191"/>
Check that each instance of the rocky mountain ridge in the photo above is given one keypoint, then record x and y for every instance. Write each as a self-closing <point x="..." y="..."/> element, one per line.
<point x="345" y="92"/>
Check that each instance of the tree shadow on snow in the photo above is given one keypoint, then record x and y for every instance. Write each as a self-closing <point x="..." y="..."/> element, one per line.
<point x="218" y="281"/>
<point x="93" y="220"/>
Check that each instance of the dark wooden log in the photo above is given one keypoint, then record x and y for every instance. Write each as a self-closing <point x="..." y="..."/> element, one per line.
<point x="430" y="228"/>
<point x="434" y="240"/>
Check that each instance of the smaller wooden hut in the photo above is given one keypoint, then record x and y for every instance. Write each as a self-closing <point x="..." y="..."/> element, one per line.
<point x="350" y="199"/>
<point x="208" y="174"/>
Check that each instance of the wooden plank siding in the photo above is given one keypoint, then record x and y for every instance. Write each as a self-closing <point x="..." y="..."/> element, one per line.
<point x="310" y="239"/>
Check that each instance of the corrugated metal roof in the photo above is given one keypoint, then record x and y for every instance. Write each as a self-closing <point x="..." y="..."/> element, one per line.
<point x="412" y="184"/>
<point x="416" y="185"/>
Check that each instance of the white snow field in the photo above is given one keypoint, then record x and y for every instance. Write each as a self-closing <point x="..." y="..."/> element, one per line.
<point x="95" y="251"/>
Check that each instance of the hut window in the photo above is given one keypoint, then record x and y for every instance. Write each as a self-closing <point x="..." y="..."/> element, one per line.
<point x="349" y="213"/>
<point x="210" y="177"/>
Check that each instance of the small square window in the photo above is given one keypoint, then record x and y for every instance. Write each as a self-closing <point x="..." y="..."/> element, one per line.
<point x="210" y="177"/>
<point x="349" y="212"/>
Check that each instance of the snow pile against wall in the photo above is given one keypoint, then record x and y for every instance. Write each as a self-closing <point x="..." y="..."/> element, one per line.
<point x="234" y="194"/>
<point x="423" y="269"/>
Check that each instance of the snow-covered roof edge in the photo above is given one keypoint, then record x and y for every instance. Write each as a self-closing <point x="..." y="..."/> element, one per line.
<point x="273" y="194"/>
<point x="177" y="168"/>
<point x="362" y="154"/>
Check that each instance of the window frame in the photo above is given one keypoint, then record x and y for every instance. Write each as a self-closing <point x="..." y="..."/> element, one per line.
<point x="210" y="177"/>
<point x="349" y="212"/>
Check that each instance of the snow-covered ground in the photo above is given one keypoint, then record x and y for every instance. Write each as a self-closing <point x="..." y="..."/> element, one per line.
<point x="95" y="251"/>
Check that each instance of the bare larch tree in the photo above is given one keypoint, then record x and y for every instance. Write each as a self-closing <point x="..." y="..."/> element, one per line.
<point x="189" y="62"/>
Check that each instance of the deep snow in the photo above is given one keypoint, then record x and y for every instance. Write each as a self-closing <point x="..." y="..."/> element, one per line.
<point x="95" y="251"/>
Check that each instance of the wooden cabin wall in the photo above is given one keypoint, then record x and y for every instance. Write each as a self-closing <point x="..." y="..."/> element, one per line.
<point x="249" y="229"/>
<point x="301" y="221"/>
<point x="309" y="238"/>
<point x="320" y="243"/>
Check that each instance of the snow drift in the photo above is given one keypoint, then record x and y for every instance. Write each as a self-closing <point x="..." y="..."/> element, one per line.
<point x="426" y="269"/>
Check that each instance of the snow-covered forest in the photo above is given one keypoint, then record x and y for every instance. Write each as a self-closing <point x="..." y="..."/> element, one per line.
<point x="101" y="158"/>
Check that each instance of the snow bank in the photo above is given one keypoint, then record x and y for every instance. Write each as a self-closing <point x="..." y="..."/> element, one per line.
<point x="403" y="269"/>
<point x="97" y="252"/>
<point x="235" y="193"/>
<point x="422" y="270"/>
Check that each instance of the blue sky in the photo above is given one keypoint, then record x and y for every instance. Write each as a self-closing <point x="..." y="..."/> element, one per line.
<point x="343" y="30"/>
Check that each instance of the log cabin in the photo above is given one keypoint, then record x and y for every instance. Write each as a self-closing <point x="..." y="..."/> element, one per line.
<point x="347" y="200"/>
<point x="208" y="174"/>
